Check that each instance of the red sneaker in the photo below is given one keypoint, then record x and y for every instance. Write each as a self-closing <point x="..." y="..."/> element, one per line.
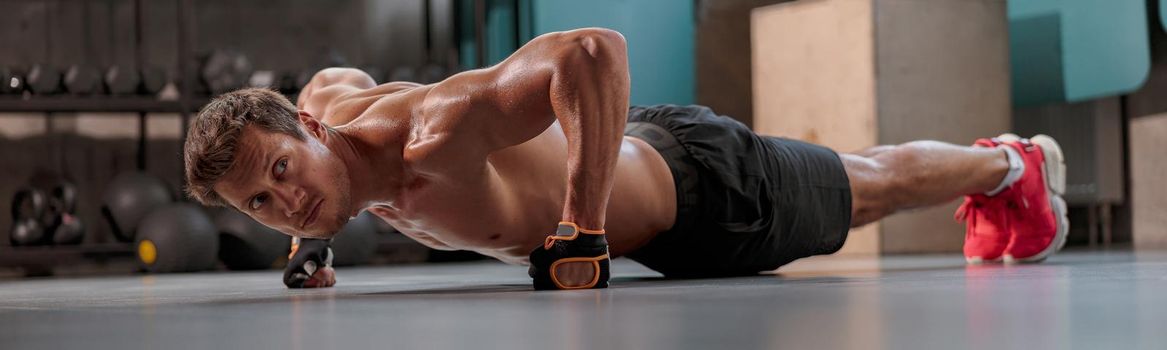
<point x="1037" y="212"/>
<point x="986" y="223"/>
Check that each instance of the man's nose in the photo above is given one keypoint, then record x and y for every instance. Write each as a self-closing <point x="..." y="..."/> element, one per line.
<point x="292" y="198"/>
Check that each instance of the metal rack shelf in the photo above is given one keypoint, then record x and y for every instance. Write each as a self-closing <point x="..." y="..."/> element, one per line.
<point x="53" y="255"/>
<point x="129" y="104"/>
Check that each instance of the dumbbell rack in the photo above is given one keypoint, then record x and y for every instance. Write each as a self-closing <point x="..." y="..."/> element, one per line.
<point x="185" y="103"/>
<point x="38" y="260"/>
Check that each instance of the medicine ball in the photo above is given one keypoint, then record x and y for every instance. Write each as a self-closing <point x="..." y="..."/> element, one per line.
<point x="357" y="241"/>
<point x="177" y="237"/>
<point x="245" y="244"/>
<point x="28" y="209"/>
<point x="128" y="198"/>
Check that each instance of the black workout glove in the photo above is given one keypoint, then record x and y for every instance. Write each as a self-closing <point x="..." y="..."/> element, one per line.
<point x="310" y="255"/>
<point x="570" y="244"/>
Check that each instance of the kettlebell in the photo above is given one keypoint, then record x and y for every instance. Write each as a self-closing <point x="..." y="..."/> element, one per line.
<point x="28" y="210"/>
<point x="63" y="223"/>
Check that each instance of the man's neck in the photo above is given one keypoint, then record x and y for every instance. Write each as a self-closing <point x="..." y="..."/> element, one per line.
<point x="374" y="171"/>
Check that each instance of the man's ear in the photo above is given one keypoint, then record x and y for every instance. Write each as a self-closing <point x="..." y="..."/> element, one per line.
<point x="312" y="125"/>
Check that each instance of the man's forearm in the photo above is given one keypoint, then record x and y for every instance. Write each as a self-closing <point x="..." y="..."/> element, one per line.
<point x="589" y="94"/>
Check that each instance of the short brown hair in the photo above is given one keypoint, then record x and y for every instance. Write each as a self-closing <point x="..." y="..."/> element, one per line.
<point x="214" y="135"/>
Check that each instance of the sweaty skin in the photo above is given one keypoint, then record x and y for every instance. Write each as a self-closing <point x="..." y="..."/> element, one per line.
<point x="487" y="160"/>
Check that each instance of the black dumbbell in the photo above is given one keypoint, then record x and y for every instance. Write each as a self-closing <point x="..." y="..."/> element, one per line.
<point x="224" y="70"/>
<point x="121" y="80"/>
<point x="11" y="81"/>
<point x="28" y="209"/>
<point x="263" y="79"/>
<point x="154" y="79"/>
<point x="83" y="79"/>
<point x="43" y="79"/>
<point x="287" y="84"/>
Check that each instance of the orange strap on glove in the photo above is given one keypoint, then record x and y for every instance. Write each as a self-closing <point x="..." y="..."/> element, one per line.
<point x="570" y="244"/>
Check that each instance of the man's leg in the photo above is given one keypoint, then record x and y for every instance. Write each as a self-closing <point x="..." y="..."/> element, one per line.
<point x="886" y="179"/>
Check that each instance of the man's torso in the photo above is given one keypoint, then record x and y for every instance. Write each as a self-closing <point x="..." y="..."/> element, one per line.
<point x="512" y="199"/>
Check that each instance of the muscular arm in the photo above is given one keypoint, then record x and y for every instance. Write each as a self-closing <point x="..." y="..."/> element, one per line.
<point x="579" y="78"/>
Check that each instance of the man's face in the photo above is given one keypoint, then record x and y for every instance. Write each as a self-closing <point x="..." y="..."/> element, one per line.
<point x="297" y="187"/>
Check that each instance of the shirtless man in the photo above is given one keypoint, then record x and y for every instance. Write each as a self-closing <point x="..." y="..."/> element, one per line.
<point x="491" y="159"/>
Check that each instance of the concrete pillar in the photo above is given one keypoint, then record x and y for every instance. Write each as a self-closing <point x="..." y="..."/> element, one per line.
<point x="851" y="74"/>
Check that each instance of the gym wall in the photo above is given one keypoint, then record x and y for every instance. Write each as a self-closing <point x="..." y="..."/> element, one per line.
<point x="856" y="74"/>
<point x="1146" y="115"/>
<point x="660" y="50"/>
<point x="90" y="148"/>
<point x="724" y="74"/>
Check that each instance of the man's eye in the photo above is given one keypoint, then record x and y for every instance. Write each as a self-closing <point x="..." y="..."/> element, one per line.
<point x="257" y="201"/>
<point x="281" y="166"/>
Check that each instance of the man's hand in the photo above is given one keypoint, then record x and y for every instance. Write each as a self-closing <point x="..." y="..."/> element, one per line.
<point x="571" y="259"/>
<point x="310" y="265"/>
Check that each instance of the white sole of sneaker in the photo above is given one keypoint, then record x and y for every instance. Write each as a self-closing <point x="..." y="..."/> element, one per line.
<point x="976" y="260"/>
<point x="1054" y="170"/>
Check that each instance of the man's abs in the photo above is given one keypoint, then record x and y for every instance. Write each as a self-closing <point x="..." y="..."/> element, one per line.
<point x="521" y="198"/>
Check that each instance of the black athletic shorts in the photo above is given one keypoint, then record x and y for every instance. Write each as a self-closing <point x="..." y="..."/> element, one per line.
<point x="745" y="203"/>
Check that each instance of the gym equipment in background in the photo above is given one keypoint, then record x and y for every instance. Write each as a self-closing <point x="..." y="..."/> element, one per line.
<point x="292" y="82"/>
<point x="65" y="226"/>
<point x="225" y="70"/>
<point x="177" y="237"/>
<point x="264" y="79"/>
<point x="43" y="80"/>
<point x="121" y="80"/>
<point x="11" y="81"/>
<point x="154" y="79"/>
<point x="403" y="73"/>
<point x="28" y="209"/>
<point x="432" y="73"/>
<point x="129" y="197"/>
<point x="245" y="244"/>
<point x="357" y="241"/>
<point x="83" y="79"/>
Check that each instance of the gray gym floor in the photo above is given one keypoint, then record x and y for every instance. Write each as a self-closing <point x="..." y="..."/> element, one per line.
<point x="1079" y="300"/>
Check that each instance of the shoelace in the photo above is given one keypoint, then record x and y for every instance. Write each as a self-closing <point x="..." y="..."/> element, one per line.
<point x="962" y="215"/>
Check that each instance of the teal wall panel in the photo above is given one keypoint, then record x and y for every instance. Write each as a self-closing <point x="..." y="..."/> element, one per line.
<point x="660" y="35"/>
<point x="1107" y="45"/>
<point x="502" y="31"/>
<point x="1162" y="13"/>
<point x="1038" y="76"/>
<point x="1077" y="50"/>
